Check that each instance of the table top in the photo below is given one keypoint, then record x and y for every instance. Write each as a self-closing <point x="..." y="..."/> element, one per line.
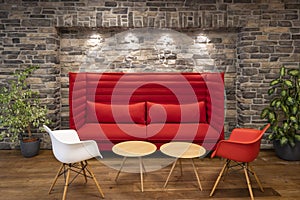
<point x="134" y="148"/>
<point x="182" y="149"/>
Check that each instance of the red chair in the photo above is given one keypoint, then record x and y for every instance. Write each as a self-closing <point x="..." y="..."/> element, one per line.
<point x="242" y="147"/>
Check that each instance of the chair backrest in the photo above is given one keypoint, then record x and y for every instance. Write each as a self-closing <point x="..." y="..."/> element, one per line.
<point x="248" y="135"/>
<point x="265" y="129"/>
<point x="254" y="146"/>
<point x="67" y="147"/>
<point x="59" y="147"/>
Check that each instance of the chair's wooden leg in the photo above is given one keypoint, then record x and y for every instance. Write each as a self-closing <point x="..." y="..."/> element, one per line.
<point x="83" y="170"/>
<point x="66" y="183"/>
<point x="124" y="159"/>
<point x="226" y="169"/>
<point x="248" y="180"/>
<point x="95" y="180"/>
<point x="219" y="177"/>
<point x="196" y="173"/>
<point x="256" y="177"/>
<point x="56" y="177"/>
<point x="170" y="173"/>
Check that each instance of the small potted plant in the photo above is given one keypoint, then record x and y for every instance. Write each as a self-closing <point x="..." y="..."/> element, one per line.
<point x="283" y="113"/>
<point x="20" y="112"/>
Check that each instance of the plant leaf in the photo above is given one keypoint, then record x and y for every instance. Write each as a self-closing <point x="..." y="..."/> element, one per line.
<point x="283" y="93"/>
<point x="284" y="108"/>
<point x="283" y="141"/>
<point x="273" y="102"/>
<point x="297" y="137"/>
<point x="278" y="103"/>
<point x="288" y="83"/>
<point x="293" y="118"/>
<point x="272" y="117"/>
<point x="290" y="101"/>
<point x="264" y="113"/>
<point x="292" y="142"/>
<point x="285" y="126"/>
<point x="271" y="136"/>
<point x="271" y="91"/>
<point x="274" y="82"/>
<point x="294" y="72"/>
<point x="296" y="126"/>
<point x="282" y="71"/>
<point x="294" y="109"/>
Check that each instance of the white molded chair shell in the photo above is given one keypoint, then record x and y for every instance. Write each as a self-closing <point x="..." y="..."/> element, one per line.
<point x="67" y="147"/>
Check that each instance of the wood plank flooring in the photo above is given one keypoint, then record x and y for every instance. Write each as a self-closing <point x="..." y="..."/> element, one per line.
<point x="30" y="178"/>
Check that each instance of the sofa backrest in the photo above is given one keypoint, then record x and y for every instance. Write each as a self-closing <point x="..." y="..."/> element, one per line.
<point x="89" y="91"/>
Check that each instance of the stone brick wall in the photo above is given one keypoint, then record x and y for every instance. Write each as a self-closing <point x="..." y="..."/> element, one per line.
<point x="247" y="39"/>
<point x="150" y="49"/>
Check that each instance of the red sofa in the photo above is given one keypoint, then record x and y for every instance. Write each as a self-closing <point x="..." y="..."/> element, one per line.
<point x="154" y="107"/>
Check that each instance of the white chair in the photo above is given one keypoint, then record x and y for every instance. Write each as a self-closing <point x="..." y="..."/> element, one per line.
<point x="73" y="154"/>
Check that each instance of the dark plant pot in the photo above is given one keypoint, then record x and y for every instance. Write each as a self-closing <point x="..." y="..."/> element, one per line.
<point x="30" y="148"/>
<point x="286" y="152"/>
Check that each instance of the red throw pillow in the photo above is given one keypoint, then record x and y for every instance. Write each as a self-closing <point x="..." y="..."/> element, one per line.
<point x="173" y="112"/>
<point x="103" y="113"/>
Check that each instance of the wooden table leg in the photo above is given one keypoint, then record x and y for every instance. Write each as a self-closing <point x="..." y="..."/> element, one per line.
<point x="124" y="159"/>
<point x="144" y="167"/>
<point x="195" y="170"/>
<point x="173" y="166"/>
<point x="180" y="167"/>
<point x="141" y="173"/>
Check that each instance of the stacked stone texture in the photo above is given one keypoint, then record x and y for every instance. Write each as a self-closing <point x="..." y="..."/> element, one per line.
<point x="250" y="41"/>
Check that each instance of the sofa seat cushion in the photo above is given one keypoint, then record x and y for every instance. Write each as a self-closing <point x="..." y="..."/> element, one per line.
<point x="185" y="132"/>
<point x="112" y="132"/>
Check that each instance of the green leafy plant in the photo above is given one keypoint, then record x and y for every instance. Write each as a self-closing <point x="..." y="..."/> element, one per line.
<point x="283" y="113"/>
<point x="20" y="108"/>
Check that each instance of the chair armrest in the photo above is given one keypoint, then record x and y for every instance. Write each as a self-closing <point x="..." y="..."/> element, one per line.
<point x="78" y="151"/>
<point x="225" y="144"/>
<point x="92" y="147"/>
<point x="238" y="151"/>
<point x="87" y="146"/>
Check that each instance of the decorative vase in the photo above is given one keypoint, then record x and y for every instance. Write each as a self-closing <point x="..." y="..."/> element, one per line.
<point x="30" y="148"/>
<point x="287" y="152"/>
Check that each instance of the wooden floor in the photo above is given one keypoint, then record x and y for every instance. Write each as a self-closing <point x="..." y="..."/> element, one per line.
<point x="30" y="178"/>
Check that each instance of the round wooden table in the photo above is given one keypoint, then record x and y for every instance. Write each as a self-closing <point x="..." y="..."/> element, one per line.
<point x="134" y="149"/>
<point x="183" y="150"/>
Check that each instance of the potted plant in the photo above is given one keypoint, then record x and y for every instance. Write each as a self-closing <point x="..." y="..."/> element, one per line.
<point x="283" y="113"/>
<point x="20" y="112"/>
